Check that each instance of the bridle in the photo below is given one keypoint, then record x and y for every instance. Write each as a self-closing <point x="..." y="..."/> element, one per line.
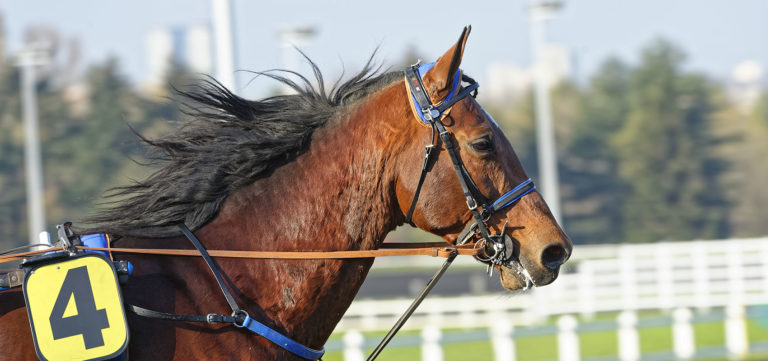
<point x="498" y="248"/>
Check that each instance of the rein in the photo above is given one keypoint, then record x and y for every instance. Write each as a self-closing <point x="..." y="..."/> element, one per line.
<point x="432" y="249"/>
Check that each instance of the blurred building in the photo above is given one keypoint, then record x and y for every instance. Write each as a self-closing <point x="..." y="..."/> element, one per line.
<point x="188" y="47"/>
<point x="508" y="81"/>
<point x="746" y="84"/>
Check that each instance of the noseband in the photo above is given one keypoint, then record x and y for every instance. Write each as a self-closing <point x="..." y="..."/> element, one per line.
<point x="498" y="248"/>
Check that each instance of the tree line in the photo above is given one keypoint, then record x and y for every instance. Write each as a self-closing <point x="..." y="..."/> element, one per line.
<point x="652" y="151"/>
<point x="646" y="152"/>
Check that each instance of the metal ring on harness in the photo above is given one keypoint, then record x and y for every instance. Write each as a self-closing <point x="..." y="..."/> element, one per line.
<point x="240" y="315"/>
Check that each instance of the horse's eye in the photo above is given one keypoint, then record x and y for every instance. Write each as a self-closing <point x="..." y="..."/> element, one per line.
<point x="483" y="145"/>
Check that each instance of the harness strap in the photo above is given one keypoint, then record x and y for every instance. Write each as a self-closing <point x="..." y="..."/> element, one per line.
<point x="209" y="318"/>
<point x="445" y="136"/>
<point x="224" y="289"/>
<point x="281" y="340"/>
<point x="422" y="177"/>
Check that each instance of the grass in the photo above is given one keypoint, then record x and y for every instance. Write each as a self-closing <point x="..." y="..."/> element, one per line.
<point x="592" y="344"/>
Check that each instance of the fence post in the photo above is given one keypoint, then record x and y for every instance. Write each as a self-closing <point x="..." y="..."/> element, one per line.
<point x="586" y="290"/>
<point x="502" y="338"/>
<point x="701" y="281"/>
<point x="567" y="339"/>
<point x="682" y="334"/>
<point x="629" y="340"/>
<point x="735" y="272"/>
<point x="664" y="276"/>
<point x="353" y="346"/>
<point x="628" y="272"/>
<point x="736" y="331"/>
<point x="430" y="347"/>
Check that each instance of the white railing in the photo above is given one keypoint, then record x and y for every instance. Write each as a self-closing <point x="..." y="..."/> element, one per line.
<point x="604" y="278"/>
<point x="503" y="337"/>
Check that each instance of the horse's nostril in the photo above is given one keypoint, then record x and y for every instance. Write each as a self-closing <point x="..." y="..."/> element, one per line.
<point x="554" y="256"/>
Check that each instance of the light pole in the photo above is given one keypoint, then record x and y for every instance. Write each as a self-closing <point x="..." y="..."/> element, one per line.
<point x="289" y="40"/>
<point x="224" y="43"/>
<point x="539" y="12"/>
<point x="29" y="58"/>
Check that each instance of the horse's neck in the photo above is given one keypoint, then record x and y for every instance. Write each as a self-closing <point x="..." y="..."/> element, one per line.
<point x="337" y="196"/>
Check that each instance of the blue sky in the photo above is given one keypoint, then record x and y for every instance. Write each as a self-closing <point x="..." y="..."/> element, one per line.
<point x="715" y="34"/>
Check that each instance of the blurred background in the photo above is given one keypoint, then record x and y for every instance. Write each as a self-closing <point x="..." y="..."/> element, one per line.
<point x="644" y="123"/>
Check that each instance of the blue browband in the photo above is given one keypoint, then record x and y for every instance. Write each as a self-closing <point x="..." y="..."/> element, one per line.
<point x="423" y="69"/>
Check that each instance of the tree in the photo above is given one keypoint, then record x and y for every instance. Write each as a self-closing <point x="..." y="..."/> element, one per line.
<point x="747" y="153"/>
<point x="665" y="153"/>
<point x="593" y="193"/>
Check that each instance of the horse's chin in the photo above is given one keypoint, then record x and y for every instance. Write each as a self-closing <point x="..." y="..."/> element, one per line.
<point x="512" y="280"/>
<point x="523" y="278"/>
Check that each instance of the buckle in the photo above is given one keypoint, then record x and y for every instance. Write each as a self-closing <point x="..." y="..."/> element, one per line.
<point x="430" y="113"/>
<point x="212" y="318"/>
<point x="471" y="203"/>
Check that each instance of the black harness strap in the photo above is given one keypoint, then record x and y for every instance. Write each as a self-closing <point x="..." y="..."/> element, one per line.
<point x="238" y="315"/>
<point x="209" y="261"/>
<point x="210" y="318"/>
<point x="422" y="177"/>
<point x="445" y="136"/>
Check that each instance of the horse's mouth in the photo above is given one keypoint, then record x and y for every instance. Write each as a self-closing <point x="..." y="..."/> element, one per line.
<point x="519" y="276"/>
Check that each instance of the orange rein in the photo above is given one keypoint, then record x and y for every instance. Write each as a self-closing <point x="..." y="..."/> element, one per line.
<point x="433" y="249"/>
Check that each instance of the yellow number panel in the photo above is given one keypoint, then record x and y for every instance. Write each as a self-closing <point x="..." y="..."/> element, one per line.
<point x="76" y="310"/>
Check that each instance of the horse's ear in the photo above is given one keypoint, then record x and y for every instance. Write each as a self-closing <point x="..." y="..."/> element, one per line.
<point x="438" y="80"/>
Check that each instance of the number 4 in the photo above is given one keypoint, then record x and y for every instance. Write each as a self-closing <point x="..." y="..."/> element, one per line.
<point x="88" y="321"/>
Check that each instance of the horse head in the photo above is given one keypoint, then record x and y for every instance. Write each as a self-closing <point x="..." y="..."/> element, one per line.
<point x="521" y="238"/>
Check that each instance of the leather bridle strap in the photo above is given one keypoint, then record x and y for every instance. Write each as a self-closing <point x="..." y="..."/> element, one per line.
<point x="476" y="202"/>
<point x="433" y="115"/>
<point x="426" y="110"/>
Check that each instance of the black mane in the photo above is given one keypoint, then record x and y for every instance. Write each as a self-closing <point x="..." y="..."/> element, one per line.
<point x="228" y="142"/>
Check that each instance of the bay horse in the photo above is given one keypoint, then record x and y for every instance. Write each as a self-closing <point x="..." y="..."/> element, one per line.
<point x="315" y="170"/>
